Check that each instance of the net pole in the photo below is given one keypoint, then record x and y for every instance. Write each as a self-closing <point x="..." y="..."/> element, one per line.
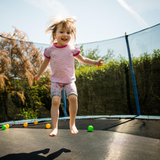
<point x="133" y="76"/>
<point x="64" y="103"/>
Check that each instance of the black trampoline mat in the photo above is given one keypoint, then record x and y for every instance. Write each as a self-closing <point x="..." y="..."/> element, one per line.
<point x="111" y="139"/>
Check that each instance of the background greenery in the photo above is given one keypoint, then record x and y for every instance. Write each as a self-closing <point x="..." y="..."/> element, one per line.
<point x="104" y="91"/>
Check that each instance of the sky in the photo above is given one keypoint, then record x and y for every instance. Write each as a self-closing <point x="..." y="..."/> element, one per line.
<point x="96" y="19"/>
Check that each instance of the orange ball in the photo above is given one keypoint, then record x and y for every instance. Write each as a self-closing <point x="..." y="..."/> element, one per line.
<point x="48" y="126"/>
<point x="25" y="124"/>
<point x="35" y="122"/>
<point x="7" y="126"/>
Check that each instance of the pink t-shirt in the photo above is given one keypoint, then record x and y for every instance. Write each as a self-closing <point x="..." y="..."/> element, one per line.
<point x="62" y="62"/>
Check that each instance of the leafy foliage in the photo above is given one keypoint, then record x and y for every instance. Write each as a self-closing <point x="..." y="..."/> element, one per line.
<point x="93" y="54"/>
<point x="107" y="90"/>
<point x="19" y="62"/>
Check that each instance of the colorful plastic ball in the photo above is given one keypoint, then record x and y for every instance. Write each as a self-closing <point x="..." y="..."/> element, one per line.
<point x="4" y="127"/>
<point x="35" y="122"/>
<point x="48" y="126"/>
<point x="90" y="128"/>
<point x="7" y="125"/>
<point x="25" y="124"/>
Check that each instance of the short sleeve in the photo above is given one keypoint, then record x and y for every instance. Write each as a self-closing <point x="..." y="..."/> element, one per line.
<point x="76" y="51"/>
<point x="46" y="53"/>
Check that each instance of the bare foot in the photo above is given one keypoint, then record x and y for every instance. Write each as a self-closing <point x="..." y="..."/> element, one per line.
<point x="73" y="129"/>
<point x="54" y="132"/>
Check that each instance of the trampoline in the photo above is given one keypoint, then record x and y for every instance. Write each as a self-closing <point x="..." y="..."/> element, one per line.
<point x="116" y="137"/>
<point x="113" y="138"/>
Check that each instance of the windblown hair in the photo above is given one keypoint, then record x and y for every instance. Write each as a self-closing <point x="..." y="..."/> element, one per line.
<point x="57" y="21"/>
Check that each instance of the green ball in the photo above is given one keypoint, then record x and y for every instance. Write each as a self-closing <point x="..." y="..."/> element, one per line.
<point x="4" y="127"/>
<point x="90" y="128"/>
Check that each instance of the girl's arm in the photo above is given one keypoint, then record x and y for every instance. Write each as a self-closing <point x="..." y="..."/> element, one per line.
<point x="88" y="61"/>
<point x="42" y="68"/>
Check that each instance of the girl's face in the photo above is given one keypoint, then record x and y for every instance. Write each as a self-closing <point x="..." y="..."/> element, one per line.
<point x="63" y="36"/>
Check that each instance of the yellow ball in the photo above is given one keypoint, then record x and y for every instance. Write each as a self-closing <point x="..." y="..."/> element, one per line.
<point x="48" y="126"/>
<point x="7" y="126"/>
<point x="35" y="122"/>
<point x="25" y="124"/>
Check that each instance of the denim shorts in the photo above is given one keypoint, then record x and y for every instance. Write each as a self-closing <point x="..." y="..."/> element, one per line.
<point x="56" y="89"/>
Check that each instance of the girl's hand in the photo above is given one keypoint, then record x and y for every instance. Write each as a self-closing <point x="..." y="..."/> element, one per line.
<point x="100" y="63"/>
<point x="36" y="78"/>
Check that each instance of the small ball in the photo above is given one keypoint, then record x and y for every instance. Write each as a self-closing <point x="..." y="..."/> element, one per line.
<point x="4" y="127"/>
<point x="35" y="122"/>
<point x="90" y="128"/>
<point x="48" y="126"/>
<point x="25" y="124"/>
<point x="7" y="125"/>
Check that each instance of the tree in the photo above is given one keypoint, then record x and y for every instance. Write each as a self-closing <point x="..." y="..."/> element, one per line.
<point x="19" y="60"/>
<point x="93" y="54"/>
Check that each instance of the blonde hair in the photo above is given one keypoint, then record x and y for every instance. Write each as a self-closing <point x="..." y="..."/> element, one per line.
<point x="56" y="21"/>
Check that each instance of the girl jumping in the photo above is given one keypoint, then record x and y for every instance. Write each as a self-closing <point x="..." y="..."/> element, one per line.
<point x="61" y="57"/>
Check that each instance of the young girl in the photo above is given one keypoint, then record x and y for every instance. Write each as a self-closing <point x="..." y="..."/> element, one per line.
<point x="61" y="57"/>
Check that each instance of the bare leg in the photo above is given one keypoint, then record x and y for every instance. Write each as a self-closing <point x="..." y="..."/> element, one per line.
<point x="55" y="115"/>
<point x="73" y="107"/>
